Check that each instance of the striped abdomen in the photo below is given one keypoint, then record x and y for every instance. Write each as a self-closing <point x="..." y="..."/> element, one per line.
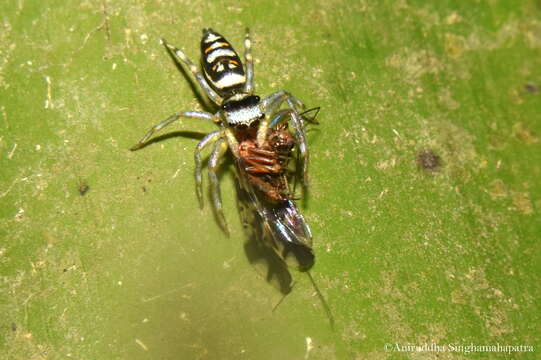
<point x="221" y="64"/>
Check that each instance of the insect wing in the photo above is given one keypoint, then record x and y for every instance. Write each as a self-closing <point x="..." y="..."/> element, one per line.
<point x="288" y="224"/>
<point x="291" y="234"/>
<point x="287" y="232"/>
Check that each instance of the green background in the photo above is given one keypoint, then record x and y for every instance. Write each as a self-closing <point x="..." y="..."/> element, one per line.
<point x="405" y="255"/>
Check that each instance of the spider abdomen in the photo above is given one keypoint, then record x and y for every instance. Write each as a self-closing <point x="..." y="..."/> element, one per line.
<point x="221" y="64"/>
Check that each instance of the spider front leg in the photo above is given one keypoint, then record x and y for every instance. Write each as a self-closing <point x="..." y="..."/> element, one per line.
<point x="181" y="57"/>
<point x="171" y="119"/>
<point x="207" y="140"/>
<point x="300" y="137"/>
<point x="273" y="102"/>
<point x="220" y="146"/>
<point x="270" y="105"/>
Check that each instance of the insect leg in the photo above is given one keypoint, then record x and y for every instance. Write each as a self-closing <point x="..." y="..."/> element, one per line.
<point x="181" y="57"/>
<point x="249" y="86"/>
<point x="220" y="146"/>
<point x="170" y="120"/>
<point x="207" y="140"/>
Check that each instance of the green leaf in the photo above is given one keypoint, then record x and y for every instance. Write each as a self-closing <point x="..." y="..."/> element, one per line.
<point x="424" y="201"/>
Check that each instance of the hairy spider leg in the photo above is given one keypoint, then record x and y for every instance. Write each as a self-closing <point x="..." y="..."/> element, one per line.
<point x="171" y="119"/>
<point x="311" y="119"/>
<point x="300" y="137"/>
<point x="272" y="103"/>
<point x="181" y="57"/>
<point x="207" y="140"/>
<point x="220" y="146"/>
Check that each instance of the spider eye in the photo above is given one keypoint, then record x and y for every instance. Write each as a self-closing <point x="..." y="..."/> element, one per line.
<point x="226" y="106"/>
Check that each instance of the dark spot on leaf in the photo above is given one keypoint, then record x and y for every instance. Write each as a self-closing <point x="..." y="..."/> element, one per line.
<point x="428" y="160"/>
<point x="144" y="189"/>
<point x="531" y="88"/>
<point x="83" y="189"/>
<point x="13" y="326"/>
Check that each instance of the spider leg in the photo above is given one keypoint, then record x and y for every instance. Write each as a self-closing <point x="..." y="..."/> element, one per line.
<point x="232" y="142"/>
<point x="270" y="104"/>
<point x="249" y="85"/>
<point x="265" y="124"/>
<point x="181" y="57"/>
<point x="170" y="120"/>
<point x="220" y="146"/>
<point x="273" y="102"/>
<point x="300" y="137"/>
<point x="207" y="140"/>
<point x="278" y="117"/>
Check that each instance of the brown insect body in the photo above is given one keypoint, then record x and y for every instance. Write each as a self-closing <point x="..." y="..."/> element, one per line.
<point x="263" y="177"/>
<point x="265" y="166"/>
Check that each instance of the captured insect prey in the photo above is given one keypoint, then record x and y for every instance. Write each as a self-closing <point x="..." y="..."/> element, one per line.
<point x="262" y="173"/>
<point x="257" y="133"/>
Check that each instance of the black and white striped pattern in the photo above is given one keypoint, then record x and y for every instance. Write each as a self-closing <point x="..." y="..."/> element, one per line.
<point x="221" y="64"/>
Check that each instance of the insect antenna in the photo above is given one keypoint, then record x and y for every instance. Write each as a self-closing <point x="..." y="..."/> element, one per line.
<point x="282" y="298"/>
<point x="311" y="119"/>
<point x="326" y="306"/>
<point x="322" y="299"/>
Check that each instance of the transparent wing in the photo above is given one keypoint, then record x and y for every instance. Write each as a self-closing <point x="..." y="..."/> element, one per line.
<point x="261" y="256"/>
<point x="283" y="227"/>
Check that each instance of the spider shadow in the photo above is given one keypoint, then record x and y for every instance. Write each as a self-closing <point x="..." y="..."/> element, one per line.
<point x="195" y="135"/>
<point x="227" y="162"/>
<point x="259" y="255"/>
